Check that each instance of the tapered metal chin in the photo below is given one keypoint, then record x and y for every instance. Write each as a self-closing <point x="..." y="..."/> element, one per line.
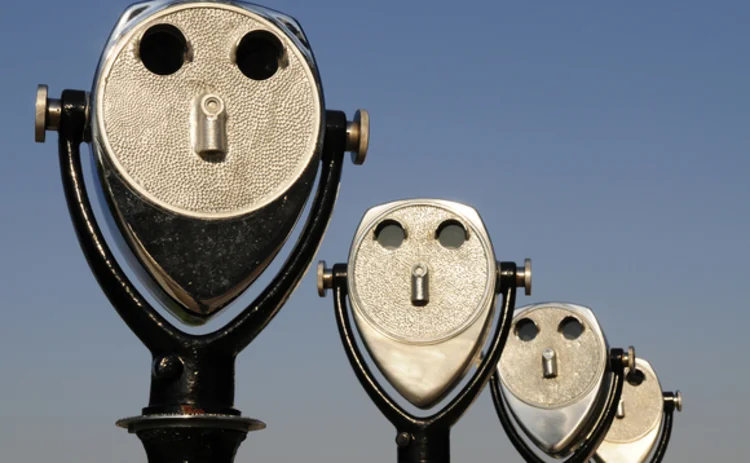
<point x="196" y="268"/>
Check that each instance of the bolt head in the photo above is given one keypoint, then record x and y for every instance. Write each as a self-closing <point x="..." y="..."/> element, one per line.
<point x="403" y="439"/>
<point x="167" y="367"/>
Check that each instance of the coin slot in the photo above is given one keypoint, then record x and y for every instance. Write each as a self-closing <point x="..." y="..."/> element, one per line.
<point x="452" y="234"/>
<point x="259" y="55"/>
<point x="390" y="234"/>
<point x="163" y="49"/>
<point x="635" y="378"/>
<point x="571" y="328"/>
<point x="526" y="330"/>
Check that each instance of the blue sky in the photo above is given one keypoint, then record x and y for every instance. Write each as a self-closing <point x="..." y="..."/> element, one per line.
<point x="607" y="141"/>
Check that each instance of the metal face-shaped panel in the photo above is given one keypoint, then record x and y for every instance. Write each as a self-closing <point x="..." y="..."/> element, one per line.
<point x="553" y="373"/>
<point x="207" y="123"/>
<point x="635" y="431"/>
<point x="422" y="277"/>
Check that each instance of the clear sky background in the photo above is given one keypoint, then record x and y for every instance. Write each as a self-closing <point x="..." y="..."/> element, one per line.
<point x="608" y="141"/>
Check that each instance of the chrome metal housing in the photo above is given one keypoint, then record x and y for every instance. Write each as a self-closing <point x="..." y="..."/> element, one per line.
<point x="422" y="309"/>
<point x="554" y="405"/>
<point x="206" y="200"/>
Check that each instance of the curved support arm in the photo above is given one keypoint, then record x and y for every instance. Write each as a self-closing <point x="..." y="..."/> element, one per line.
<point x="607" y="415"/>
<point x="666" y="432"/>
<point x="401" y="419"/>
<point x="154" y="331"/>
<point x="601" y="426"/>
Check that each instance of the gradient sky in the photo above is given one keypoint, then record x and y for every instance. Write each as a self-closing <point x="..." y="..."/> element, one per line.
<point x="608" y="141"/>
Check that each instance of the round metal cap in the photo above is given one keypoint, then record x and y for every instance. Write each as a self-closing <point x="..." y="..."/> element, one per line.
<point x="527" y="277"/>
<point x="362" y="123"/>
<point x="324" y="278"/>
<point x="40" y="123"/>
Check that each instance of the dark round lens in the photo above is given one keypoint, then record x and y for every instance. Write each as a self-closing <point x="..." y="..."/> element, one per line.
<point x="571" y="328"/>
<point x="163" y="49"/>
<point x="390" y="234"/>
<point x="451" y="234"/>
<point x="258" y="55"/>
<point x="526" y="330"/>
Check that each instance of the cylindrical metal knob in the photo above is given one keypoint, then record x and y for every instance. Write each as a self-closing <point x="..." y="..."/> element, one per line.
<point x="678" y="401"/>
<point x="358" y="136"/>
<point x="325" y="278"/>
<point x="47" y="114"/>
<point x="210" y="127"/>
<point x="523" y="277"/>
<point x="629" y="359"/>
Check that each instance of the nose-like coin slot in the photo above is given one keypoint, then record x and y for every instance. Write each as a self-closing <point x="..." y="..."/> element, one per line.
<point x="549" y="363"/>
<point x="571" y="328"/>
<point x="635" y="378"/>
<point x="210" y="128"/>
<point x="259" y="55"/>
<point x="163" y="49"/>
<point x="526" y="330"/>
<point x="390" y="234"/>
<point x="420" y="285"/>
<point x="451" y="234"/>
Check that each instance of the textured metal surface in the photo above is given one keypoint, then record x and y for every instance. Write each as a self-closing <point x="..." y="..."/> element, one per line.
<point x="142" y="121"/>
<point x="461" y="283"/>
<point x="581" y="362"/>
<point x="644" y="406"/>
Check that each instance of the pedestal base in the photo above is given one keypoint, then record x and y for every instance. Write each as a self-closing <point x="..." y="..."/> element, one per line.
<point x="191" y="438"/>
